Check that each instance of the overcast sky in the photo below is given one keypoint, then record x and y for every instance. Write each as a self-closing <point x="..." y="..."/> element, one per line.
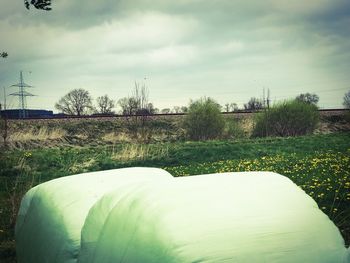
<point x="185" y="49"/>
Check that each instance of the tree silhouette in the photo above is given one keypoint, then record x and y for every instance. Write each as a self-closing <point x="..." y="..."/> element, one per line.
<point x="309" y="98"/>
<point x="105" y="105"/>
<point x="253" y="104"/>
<point x="76" y="102"/>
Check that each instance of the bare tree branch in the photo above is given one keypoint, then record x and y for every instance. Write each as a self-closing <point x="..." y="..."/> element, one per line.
<point x="3" y="54"/>
<point x="38" y="4"/>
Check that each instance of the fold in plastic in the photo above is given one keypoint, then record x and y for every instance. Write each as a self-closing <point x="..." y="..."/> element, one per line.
<point x="146" y="215"/>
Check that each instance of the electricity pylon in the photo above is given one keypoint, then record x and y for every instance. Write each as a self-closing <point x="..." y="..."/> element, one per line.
<point x="22" y="94"/>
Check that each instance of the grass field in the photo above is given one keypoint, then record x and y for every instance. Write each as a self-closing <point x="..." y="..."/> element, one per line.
<point x="319" y="164"/>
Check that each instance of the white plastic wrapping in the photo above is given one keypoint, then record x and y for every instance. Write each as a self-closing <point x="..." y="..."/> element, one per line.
<point x="146" y="215"/>
<point x="241" y="217"/>
<point x="52" y="214"/>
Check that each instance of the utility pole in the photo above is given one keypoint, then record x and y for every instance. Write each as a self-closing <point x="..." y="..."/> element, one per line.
<point x="22" y="94"/>
<point x="268" y="98"/>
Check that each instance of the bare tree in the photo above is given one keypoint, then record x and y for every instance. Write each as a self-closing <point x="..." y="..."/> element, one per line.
<point x="233" y="106"/>
<point x="76" y="102"/>
<point x="151" y="109"/>
<point x="346" y="101"/>
<point x="184" y="109"/>
<point x="123" y="103"/>
<point x="155" y="110"/>
<point x="227" y="107"/>
<point x="140" y="95"/>
<point x="165" y="111"/>
<point x="105" y="105"/>
<point x="176" y="109"/>
<point x="138" y="103"/>
<point x="129" y="105"/>
<point x="308" y="98"/>
<point x="253" y="104"/>
<point x="138" y="108"/>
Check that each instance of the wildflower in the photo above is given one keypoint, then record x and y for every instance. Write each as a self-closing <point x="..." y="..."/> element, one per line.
<point x="27" y="154"/>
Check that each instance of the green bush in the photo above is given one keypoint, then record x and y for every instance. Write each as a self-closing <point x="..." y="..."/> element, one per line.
<point x="289" y="118"/>
<point x="234" y="129"/>
<point x="204" y="120"/>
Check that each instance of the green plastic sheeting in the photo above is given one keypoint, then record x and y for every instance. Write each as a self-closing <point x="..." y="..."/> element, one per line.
<point x="146" y="215"/>
<point x="51" y="215"/>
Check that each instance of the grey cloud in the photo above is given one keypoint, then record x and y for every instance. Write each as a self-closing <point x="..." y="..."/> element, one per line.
<point x="184" y="42"/>
<point x="220" y="20"/>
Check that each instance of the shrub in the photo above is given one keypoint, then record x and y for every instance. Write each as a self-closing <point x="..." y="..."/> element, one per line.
<point x="289" y="118"/>
<point x="233" y="129"/>
<point x="204" y="120"/>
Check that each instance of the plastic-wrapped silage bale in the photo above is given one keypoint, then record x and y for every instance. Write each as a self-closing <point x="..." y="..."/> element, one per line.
<point x="51" y="215"/>
<point x="233" y="217"/>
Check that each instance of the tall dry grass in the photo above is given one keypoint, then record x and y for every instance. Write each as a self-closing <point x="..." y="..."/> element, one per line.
<point x="130" y="152"/>
<point x="33" y="138"/>
<point x="43" y="134"/>
<point x="114" y="137"/>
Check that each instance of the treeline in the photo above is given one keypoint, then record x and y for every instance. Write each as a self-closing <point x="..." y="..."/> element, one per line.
<point x="203" y="119"/>
<point x="79" y="102"/>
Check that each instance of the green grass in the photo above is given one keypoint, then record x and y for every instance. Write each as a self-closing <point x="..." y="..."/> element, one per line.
<point x="319" y="164"/>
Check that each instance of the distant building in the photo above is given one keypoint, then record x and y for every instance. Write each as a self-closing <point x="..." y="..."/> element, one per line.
<point x="15" y="113"/>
